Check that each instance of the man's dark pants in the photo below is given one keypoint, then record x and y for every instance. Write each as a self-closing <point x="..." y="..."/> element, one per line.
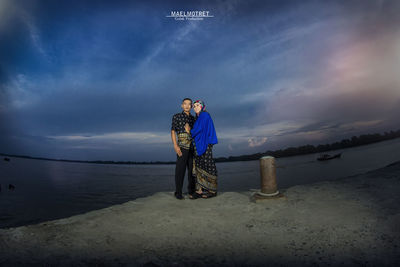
<point x="183" y="162"/>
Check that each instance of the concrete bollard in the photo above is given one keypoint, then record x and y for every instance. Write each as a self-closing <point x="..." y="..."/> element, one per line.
<point x="269" y="188"/>
<point x="268" y="176"/>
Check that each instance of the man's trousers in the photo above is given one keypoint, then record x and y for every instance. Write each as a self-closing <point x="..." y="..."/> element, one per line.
<point x="183" y="162"/>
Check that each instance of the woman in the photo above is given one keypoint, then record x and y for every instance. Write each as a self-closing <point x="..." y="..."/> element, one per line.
<point x="204" y="137"/>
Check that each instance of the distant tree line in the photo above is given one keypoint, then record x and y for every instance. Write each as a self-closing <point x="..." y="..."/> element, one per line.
<point x="91" y="161"/>
<point x="364" y="139"/>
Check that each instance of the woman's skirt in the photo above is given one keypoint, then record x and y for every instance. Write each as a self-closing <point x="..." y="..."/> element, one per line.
<point x="205" y="171"/>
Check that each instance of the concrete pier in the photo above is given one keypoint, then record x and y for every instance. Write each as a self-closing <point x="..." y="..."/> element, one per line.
<point x="348" y="222"/>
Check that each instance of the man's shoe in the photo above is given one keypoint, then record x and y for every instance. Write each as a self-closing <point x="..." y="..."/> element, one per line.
<point x="178" y="196"/>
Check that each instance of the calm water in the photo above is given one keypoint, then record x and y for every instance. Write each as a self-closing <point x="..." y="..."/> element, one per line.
<point x="49" y="190"/>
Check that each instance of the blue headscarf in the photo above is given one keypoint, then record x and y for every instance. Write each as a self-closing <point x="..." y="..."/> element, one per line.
<point x="203" y="132"/>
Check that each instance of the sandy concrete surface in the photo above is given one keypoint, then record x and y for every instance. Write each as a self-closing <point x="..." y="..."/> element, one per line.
<point x="348" y="222"/>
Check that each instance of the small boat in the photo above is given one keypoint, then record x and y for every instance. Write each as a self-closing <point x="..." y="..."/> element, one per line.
<point x="328" y="157"/>
<point x="6" y="159"/>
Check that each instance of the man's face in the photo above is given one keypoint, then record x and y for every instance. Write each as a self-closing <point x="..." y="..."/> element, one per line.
<point x="186" y="105"/>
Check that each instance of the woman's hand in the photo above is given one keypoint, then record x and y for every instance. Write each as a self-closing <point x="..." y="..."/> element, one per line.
<point x="187" y="128"/>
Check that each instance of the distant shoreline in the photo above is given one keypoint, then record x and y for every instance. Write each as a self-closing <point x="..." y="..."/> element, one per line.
<point x="287" y="152"/>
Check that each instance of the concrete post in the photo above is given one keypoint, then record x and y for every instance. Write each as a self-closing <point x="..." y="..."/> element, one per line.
<point x="268" y="176"/>
<point x="269" y="188"/>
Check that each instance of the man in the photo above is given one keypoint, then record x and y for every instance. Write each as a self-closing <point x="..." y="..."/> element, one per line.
<point x="183" y="148"/>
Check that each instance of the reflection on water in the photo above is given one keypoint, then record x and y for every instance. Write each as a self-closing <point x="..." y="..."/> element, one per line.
<point x="49" y="189"/>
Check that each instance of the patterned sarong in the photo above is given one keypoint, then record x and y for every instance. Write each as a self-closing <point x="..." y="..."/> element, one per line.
<point x="205" y="171"/>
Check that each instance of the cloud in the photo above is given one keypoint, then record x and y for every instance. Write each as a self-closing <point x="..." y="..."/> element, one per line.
<point x="34" y="34"/>
<point x="255" y="142"/>
<point x="271" y="75"/>
<point x="118" y="137"/>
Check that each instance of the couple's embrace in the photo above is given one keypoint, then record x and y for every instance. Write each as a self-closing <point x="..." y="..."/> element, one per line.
<point x="193" y="138"/>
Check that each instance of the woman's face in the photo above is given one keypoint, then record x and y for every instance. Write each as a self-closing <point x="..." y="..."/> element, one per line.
<point x="197" y="107"/>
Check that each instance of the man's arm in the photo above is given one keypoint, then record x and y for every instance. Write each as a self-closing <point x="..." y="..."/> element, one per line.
<point x="173" y="136"/>
<point x="176" y="147"/>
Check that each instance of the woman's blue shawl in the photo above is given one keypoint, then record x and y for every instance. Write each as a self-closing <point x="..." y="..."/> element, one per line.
<point x="203" y="132"/>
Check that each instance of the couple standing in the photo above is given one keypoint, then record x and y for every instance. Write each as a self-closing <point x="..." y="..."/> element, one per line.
<point x="196" y="137"/>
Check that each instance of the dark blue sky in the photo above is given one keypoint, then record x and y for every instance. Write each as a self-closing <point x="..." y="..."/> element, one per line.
<point x="101" y="79"/>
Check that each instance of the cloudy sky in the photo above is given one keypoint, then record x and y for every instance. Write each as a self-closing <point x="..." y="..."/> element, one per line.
<point x="100" y="80"/>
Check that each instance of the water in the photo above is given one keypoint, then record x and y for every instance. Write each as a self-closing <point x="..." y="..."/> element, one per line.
<point x="47" y="190"/>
